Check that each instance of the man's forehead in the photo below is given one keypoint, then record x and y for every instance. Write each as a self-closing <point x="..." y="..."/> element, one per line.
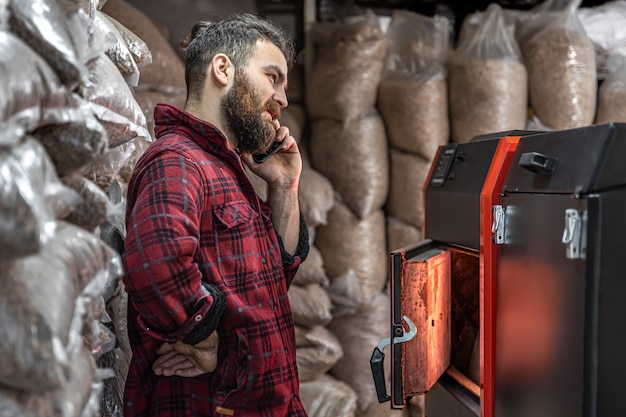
<point x="266" y="53"/>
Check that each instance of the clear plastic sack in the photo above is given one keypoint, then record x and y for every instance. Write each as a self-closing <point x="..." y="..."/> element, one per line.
<point x="28" y="85"/>
<point x="561" y="64"/>
<point x="113" y="103"/>
<point x="104" y="169"/>
<point x="43" y="304"/>
<point x="4" y="15"/>
<point x="60" y="32"/>
<point x="612" y="94"/>
<point x="137" y="47"/>
<point x="31" y="197"/>
<point x="94" y="206"/>
<point x="73" y="137"/>
<point x="118" y="50"/>
<point x="487" y="80"/>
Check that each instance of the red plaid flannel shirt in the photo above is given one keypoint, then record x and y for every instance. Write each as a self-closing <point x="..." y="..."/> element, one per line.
<point x="198" y="236"/>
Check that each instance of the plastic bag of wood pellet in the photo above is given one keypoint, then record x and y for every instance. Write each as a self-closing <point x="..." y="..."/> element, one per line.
<point x="42" y="315"/>
<point x="28" y="85"/>
<point x="401" y="234"/>
<point x="136" y="46"/>
<point x="320" y="353"/>
<point x="560" y="60"/>
<point x="4" y="15"/>
<point x="487" y="81"/>
<point x="413" y="95"/>
<point x="327" y="396"/>
<point x="104" y="168"/>
<point x="61" y="32"/>
<point x="349" y="243"/>
<point x="31" y="196"/>
<point x="612" y="94"/>
<point x="316" y="196"/>
<point x="113" y="102"/>
<point x="359" y="172"/>
<point x="345" y="293"/>
<point x="408" y="175"/>
<point x="359" y="334"/>
<point x="166" y="73"/>
<point x="311" y="271"/>
<point x="348" y="65"/>
<point x="118" y="50"/>
<point x="310" y="305"/>
<point x="73" y="137"/>
<point x="94" y="207"/>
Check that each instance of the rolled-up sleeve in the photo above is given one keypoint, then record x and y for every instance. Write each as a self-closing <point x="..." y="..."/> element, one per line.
<point x="291" y="263"/>
<point x="163" y="281"/>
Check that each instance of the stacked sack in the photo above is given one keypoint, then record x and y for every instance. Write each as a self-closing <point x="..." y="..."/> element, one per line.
<point x="68" y="125"/>
<point x="413" y="101"/>
<point x="348" y="146"/>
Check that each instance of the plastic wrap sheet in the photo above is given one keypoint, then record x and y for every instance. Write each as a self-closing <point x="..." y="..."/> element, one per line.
<point x="61" y="32"/>
<point x="113" y="103"/>
<point x="42" y="306"/>
<point x="4" y="15"/>
<point x="73" y="137"/>
<point x="31" y="196"/>
<point x="27" y="85"/>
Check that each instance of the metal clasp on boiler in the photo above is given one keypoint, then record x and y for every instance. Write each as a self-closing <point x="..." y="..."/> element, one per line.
<point x="378" y="357"/>
<point x="497" y="227"/>
<point x="574" y="234"/>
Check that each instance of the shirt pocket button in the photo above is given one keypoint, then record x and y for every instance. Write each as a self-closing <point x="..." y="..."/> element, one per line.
<point x="198" y="317"/>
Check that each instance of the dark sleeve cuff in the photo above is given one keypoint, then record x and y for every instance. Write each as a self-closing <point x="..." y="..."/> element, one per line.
<point x="211" y="320"/>
<point x="302" y="250"/>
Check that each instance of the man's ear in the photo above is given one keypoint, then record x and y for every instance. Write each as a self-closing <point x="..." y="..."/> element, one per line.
<point x="222" y="69"/>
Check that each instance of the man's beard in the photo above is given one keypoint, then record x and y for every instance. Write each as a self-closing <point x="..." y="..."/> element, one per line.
<point x="242" y="111"/>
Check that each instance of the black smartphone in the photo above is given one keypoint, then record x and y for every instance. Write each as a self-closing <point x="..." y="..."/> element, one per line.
<point x="259" y="158"/>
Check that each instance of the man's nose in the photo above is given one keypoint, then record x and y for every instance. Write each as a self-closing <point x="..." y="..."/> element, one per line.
<point x="280" y="96"/>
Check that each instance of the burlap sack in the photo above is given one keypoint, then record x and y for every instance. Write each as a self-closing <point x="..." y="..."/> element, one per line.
<point x="348" y="243"/>
<point x="353" y="156"/>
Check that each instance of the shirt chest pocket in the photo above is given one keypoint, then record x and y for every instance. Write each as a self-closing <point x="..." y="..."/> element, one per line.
<point x="236" y="240"/>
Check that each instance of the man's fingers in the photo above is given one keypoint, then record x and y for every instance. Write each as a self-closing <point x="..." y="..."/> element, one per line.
<point x="164" y="348"/>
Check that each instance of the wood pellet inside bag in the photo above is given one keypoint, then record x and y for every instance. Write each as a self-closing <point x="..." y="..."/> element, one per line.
<point x="60" y="32"/>
<point x="561" y="64"/>
<point x="113" y="102"/>
<point x="347" y="69"/>
<point x="353" y="156"/>
<point x="327" y="396"/>
<point x="311" y="305"/>
<point x="320" y="355"/>
<point x="94" y="206"/>
<point x="30" y="196"/>
<point x="42" y="319"/>
<point x="28" y="84"/>
<point x="73" y="137"/>
<point x="612" y="95"/>
<point x="487" y="81"/>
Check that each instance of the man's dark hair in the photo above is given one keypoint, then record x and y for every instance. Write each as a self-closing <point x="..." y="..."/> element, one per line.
<point x="236" y="37"/>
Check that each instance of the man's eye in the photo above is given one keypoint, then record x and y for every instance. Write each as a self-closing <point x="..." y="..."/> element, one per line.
<point x="273" y="77"/>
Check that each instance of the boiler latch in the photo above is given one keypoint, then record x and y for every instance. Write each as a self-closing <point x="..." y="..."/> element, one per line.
<point x="575" y="234"/>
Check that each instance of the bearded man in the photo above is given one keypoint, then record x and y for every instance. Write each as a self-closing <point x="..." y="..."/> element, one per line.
<point x="207" y="263"/>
